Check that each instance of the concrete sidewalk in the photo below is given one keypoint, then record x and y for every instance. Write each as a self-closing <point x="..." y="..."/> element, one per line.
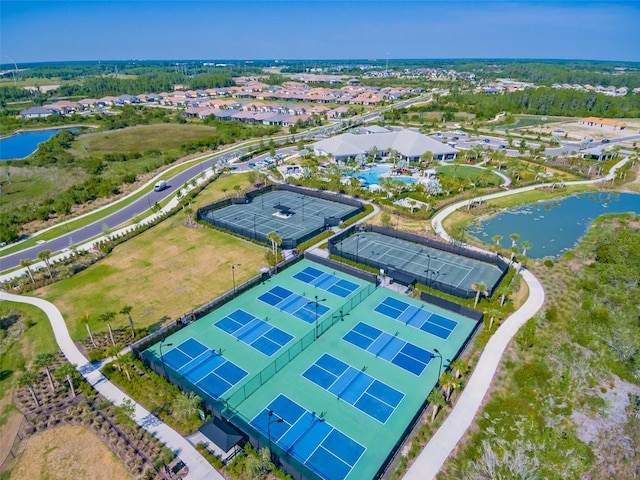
<point x="199" y="468"/>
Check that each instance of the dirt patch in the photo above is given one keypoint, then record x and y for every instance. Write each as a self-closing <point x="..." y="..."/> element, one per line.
<point x="67" y="452"/>
<point x="613" y="414"/>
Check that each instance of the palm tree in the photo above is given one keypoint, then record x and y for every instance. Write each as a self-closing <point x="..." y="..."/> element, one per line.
<point x="126" y="310"/>
<point x="449" y="382"/>
<point x="26" y="263"/>
<point x="224" y="191"/>
<point x="275" y="240"/>
<point x="373" y="152"/>
<point x="497" y="238"/>
<point x="67" y="371"/>
<point x="437" y="401"/>
<point x="237" y="189"/>
<point x="45" y="255"/>
<point x="460" y="367"/>
<point x="107" y="317"/>
<point x="28" y="379"/>
<point x="118" y="360"/>
<point x="514" y="238"/>
<point x="45" y="360"/>
<point x="478" y="288"/>
<point x="186" y="406"/>
<point x="526" y="245"/>
<point x="85" y="320"/>
<point x="493" y="315"/>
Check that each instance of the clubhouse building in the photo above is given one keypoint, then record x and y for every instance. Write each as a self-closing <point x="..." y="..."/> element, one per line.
<point x="408" y="143"/>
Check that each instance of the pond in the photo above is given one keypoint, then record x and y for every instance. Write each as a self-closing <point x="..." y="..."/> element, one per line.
<point x="23" y="144"/>
<point x="555" y="226"/>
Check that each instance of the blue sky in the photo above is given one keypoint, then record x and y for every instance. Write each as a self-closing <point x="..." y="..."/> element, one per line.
<point x="148" y="30"/>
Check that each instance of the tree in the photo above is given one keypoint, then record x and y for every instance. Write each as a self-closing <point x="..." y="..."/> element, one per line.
<point x="497" y="238"/>
<point x="126" y="310"/>
<point x="526" y="245"/>
<point x="373" y="152"/>
<point x="427" y="157"/>
<point x="67" y="371"/>
<point x="186" y="406"/>
<point x="26" y="263"/>
<point x="224" y="191"/>
<point x="237" y="189"/>
<point x="85" y="319"/>
<point x="45" y="255"/>
<point x="107" y="317"/>
<point x="478" y="288"/>
<point x="514" y="238"/>
<point x="276" y="240"/>
<point x="28" y="379"/>
<point x="45" y="360"/>
<point x="449" y="382"/>
<point x="460" y="367"/>
<point x="437" y="401"/>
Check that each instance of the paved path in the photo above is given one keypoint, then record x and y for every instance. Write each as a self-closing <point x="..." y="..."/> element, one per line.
<point x="199" y="468"/>
<point x="436" y="452"/>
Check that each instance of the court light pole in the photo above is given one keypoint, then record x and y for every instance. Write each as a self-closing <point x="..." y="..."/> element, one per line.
<point x="438" y="355"/>
<point x="164" y="368"/>
<point x="233" y="276"/>
<point x="255" y="235"/>
<point x="357" y="248"/>
<point x="276" y="420"/>
<point x="316" y="303"/>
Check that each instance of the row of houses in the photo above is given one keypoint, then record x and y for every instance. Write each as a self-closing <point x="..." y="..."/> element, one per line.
<point x="198" y="101"/>
<point x="506" y="85"/>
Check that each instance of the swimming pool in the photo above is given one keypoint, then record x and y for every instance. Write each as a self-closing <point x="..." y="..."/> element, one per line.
<point x="371" y="175"/>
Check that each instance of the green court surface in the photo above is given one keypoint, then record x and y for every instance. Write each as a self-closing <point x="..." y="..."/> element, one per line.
<point x="292" y="215"/>
<point x="340" y="402"/>
<point x="427" y="265"/>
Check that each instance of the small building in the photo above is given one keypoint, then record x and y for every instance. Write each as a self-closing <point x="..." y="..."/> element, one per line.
<point x="608" y="123"/>
<point x="38" y="112"/>
<point x="599" y="153"/>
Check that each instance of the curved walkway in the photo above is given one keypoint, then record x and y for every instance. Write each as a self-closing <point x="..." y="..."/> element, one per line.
<point x="436" y="452"/>
<point x="199" y="468"/>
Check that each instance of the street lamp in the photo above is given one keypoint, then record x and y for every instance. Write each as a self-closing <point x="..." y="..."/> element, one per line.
<point x="233" y="276"/>
<point x="438" y="355"/>
<point x="316" y="302"/>
<point x="357" y="248"/>
<point x="276" y="420"/>
<point x="164" y="368"/>
<point x="429" y="267"/>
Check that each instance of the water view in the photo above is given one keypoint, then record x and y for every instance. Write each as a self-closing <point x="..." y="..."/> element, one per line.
<point x="553" y="227"/>
<point x="23" y="144"/>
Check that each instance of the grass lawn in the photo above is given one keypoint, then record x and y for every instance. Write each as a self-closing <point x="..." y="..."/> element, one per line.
<point x="68" y="452"/>
<point x="222" y="188"/>
<point x="141" y="139"/>
<point x="30" y="334"/>
<point x="471" y="174"/>
<point x="163" y="273"/>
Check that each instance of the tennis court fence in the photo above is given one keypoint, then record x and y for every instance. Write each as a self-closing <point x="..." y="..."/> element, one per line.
<point x="405" y="276"/>
<point x="206" y="213"/>
<point x="341" y="267"/>
<point x="207" y="308"/>
<point x="258" y="380"/>
<point x="452" y="306"/>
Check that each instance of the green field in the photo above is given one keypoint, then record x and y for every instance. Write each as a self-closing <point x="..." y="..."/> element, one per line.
<point x="163" y="273"/>
<point x="470" y="174"/>
<point x="141" y="139"/>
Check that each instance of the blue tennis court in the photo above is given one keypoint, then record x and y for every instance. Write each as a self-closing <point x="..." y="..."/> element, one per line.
<point x="355" y="387"/>
<point x="417" y="317"/>
<point x="254" y="332"/>
<point x="204" y="367"/>
<point x="326" y="281"/>
<point x="293" y="304"/>
<point x="381" y="344"/>
<point x="307" y="437"/>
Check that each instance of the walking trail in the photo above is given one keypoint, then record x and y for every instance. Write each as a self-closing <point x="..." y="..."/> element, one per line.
<point x="199" y="468"/>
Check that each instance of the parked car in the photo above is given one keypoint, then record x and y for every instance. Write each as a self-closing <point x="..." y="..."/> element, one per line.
<point x="606" y="140"/>
<point x="486" y="140"/>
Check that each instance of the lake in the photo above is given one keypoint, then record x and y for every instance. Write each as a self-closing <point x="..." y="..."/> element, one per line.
<point x="23" y="144"/>
<point x="555" y="226"/>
